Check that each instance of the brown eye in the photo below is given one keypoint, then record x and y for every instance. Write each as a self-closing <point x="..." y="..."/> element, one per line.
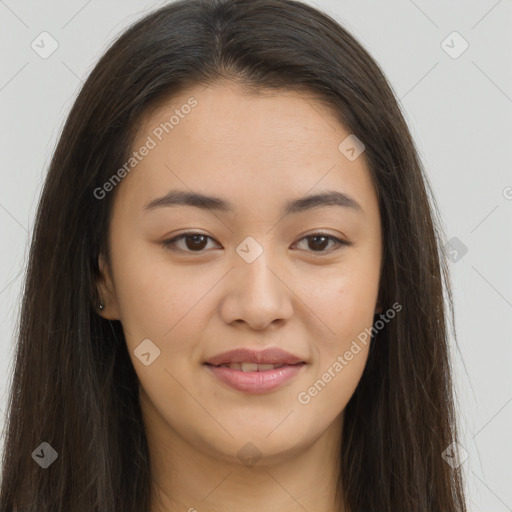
<point x="194" y="242"/>
<point x="318" y="242"/>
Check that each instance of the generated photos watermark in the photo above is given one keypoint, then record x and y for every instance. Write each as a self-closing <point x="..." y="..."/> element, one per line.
<point x="157" y="133"/>
<point x="304" y="397"/>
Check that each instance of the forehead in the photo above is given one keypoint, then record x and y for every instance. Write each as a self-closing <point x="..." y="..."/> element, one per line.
<point x="228" y="114"/>
<point x="245" y="146"/>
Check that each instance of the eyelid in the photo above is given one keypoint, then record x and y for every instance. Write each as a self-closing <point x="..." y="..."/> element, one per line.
<point x="167" y="244"/>
<point x="340" y="242"/>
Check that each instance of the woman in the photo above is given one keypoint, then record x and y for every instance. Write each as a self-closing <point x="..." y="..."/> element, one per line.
<point x="234" y="297"/>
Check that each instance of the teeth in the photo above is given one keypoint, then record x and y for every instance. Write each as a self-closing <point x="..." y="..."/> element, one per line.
<point x="233" y="366"/>
<point x="251" y="367"/>
<point x="263" y="367"/>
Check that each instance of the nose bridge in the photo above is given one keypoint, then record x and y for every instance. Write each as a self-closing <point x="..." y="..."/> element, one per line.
<point x="258" y="268"/>
<point x="257" y="293"/>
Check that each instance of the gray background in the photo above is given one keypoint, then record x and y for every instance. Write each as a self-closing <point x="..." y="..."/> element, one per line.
<point x="458" y="109"/>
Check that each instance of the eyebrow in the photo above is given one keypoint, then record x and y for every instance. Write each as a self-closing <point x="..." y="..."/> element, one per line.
<point x="197" y="200"/>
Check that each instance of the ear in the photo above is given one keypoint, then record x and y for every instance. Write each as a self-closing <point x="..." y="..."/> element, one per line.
<point x="107" y="291"/>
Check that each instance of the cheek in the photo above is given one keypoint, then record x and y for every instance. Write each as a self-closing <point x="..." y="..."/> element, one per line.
<point x="344" y="299"/>
<point x="170" y="306"/>
<point x="160" y="303"/>
<point x="153" y="295"/>
<point x="346" y="309"/>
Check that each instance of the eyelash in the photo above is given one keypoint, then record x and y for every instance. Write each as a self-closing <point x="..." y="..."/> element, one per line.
<point x="168" y="244"/>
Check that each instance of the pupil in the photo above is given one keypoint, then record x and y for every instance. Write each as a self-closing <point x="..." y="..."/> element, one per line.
<point x="321" y="244"/>
<point x="196" y="238"/>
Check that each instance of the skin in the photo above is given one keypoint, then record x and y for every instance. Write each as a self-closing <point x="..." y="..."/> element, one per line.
<point x="258" y="151"/>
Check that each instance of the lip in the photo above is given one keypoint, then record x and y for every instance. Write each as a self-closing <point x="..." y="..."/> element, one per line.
<point x="245" y="355"/>
<point x="255" y="382"/>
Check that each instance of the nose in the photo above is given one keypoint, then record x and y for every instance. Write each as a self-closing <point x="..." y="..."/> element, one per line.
<point x="257" y="294"/>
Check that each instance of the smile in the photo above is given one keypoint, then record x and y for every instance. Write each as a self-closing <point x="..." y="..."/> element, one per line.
<point x="255" y="378"/>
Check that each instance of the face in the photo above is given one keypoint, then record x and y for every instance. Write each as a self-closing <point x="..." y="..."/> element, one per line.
<point x="291" y="281"/>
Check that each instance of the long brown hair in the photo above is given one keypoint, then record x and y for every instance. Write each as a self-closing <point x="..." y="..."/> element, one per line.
<point x="74" y="385"/>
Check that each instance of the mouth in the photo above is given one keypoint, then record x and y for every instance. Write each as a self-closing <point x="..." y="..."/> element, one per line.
<point x="255" y="372"/>
<point x="252" y="367"/>
<point x="246" y="357"/>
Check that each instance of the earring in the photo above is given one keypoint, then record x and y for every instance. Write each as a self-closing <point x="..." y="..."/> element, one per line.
<point x="101" y="305"/>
